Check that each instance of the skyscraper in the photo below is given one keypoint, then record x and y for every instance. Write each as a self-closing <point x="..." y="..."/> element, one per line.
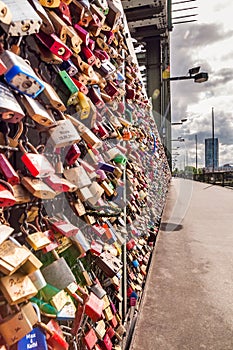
<point x="211" y="149"/>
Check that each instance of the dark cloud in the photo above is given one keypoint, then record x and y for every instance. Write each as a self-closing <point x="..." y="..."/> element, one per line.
<point x="200" y="35"/>
<point x="220" y="77"/>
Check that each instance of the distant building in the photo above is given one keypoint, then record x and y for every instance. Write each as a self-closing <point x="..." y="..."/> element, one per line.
<point x="209" y="152"/>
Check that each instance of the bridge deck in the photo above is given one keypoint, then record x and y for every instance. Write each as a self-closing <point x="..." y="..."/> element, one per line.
<point x="188" y="298"/>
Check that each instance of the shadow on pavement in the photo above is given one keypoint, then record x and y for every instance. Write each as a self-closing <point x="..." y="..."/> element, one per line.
<point x="168" y="227"/>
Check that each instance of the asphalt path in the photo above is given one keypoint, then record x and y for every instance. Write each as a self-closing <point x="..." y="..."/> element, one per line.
<point x="188" y="297"/>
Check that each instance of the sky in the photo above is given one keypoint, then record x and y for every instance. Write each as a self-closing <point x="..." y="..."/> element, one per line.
<point x="207" y="42"/>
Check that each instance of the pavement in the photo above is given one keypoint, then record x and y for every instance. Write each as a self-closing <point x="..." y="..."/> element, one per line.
<point x="188" y="298"/>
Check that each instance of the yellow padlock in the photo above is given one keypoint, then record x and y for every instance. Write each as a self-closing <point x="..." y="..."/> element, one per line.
<point x="50" y="3"/>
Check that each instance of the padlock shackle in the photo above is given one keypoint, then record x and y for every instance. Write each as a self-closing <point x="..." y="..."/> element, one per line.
<point x="8" y="186"/>
<point x="29" y="145"/>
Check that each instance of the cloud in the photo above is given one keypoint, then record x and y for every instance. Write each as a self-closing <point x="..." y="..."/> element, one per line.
<point x="200" y="35"/>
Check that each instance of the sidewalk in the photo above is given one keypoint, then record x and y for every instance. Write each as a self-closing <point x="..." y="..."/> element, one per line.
<point x="188" y="298"/>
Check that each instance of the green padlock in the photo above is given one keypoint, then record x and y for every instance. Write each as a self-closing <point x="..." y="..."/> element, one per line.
<point x="120" y="159"/>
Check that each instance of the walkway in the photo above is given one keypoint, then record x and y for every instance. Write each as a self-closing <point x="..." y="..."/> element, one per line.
<point x="188" y="298"/>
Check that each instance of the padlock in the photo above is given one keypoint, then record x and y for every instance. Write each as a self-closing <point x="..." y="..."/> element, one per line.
<point x="37" y="240"/>
<point x="78" y="176"/>
<point x="25" y="20"/>
<point x="54" y="336"/>
<point x="97" y="192"/>
<point x="17" y="288"/>
<point x="12" y="257"/>
<point x="37" y="188"/>
<point x="21" y="195"/>
<point x="109" y="264"/>
<point x="6" y="15"/>
<point x="80" y="86"/>
<point x="20" y="75"/>
<point x="8" y="171"/>
<point x="84" y="67"/>
<point x="51" y="98"/>
<point x="80" y="13"/>
<point x="106" y="343"/>
<point x="36" y="163"/>
<point x="10" y="110"/>
<point x="46" y="25"/>
<point x="63" y="227"/>
<point x="59" y="25"/>
<point x="37" y="112"/>
<point x="94" y="307"/>
<point x="95" y="97"/>
<point x="58" y="274"/>
<point x="55" y="45"/>
<point x="72" y="154"/>
<point x="69" y="67"/>
<point x="16" y="325"/>
<point x="83" y="34"/>
<point x="95" y="24"/>
<point x="35" y="338"/>
<point x="50" y="3"/>
<point x="73" y="40"/>
<point x="59" y="184"/>
<point x="7" y="198"/>
<point x="5" y="230"/>
<point x="90" y="338"/>
<point x="63" y="134"/>
<point x="100" y="329"/>
<point x="64" y="12"/>
<point x="83" y="108"/>
<point x="88" y="55"/>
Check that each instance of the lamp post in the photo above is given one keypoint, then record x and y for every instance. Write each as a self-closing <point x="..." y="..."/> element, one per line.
<point x="196" y="151"/>
<point x="198" y="77"/>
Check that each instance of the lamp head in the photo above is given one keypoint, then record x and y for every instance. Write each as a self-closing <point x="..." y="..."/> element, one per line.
<point x="201" y="77"/>
<point x="194" y="70"/>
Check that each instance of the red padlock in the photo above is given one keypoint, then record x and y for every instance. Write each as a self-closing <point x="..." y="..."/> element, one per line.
<point x="7" y="198"/>
<point x="37" y="164"/>
<point x="106" y="343"/>
<point x="8" y="171"/>
<point x="80" y="85"/>
<point x="95" y="97"/>
<point x="73" y="154"/>
<point x="64" y="12"/>
<point x="96" y="248"/>
<point x="90" y="339"/>
<point x="94" y="307"/>
<point x="111" y="89"/>
<point x="89" y="56"/>
<point x="84" y="34"/>
<point x="63" y="227"/>
<point x="55" y="45"/>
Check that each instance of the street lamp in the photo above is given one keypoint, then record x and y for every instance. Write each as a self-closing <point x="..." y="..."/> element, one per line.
<point x="193" y="73"/>
<point x="180" y="139"/>
<point x="181" y="122"/>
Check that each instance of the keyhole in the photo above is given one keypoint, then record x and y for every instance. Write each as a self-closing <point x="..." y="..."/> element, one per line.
<point x="25" y="27"/>
<point x="27" y="84"/>
<point x="3" y="12"/>
<point x="61" y="51"/>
